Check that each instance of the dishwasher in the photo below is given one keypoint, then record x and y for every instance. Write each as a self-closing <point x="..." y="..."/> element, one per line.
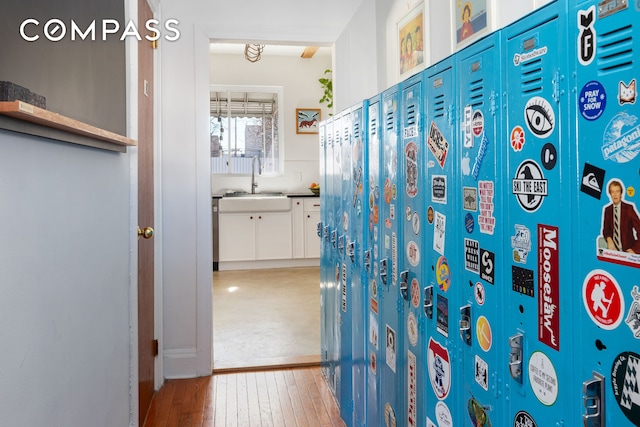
<point x="215" y="231"/>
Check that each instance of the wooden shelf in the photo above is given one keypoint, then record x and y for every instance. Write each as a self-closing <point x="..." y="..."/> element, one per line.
<point x="27" y="112"/>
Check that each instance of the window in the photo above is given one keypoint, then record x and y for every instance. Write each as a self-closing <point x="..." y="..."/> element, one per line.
<point x="245" y="123"/>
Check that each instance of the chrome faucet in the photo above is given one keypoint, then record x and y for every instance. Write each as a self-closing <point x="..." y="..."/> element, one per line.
<point x="254" y="184"/>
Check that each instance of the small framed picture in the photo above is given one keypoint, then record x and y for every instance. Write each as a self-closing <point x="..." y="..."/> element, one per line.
<point x="411" y="54"/>
<point x="307" y="120"/>
<point x="470" y="21"/>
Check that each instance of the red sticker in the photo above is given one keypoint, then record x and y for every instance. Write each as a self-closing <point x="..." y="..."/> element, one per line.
<point x="603" y="299"/>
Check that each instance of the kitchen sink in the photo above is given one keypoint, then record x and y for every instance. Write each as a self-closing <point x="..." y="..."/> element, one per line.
<point x="245" y="194"/>
<point x="261" y="202"/>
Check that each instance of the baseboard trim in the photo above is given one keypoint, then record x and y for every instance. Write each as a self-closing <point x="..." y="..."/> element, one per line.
<point x="267" y="364"/>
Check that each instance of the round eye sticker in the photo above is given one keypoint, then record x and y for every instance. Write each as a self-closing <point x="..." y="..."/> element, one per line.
<point x="539" y="117"/>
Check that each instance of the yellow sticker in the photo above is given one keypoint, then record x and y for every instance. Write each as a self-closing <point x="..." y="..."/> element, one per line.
<point x="631" y="191"/>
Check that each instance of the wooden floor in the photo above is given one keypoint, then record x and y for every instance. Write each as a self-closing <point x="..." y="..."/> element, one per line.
<point x="289" y="397"/>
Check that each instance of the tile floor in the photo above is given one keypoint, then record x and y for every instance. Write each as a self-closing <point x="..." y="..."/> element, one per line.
<point x="266" y="317"/>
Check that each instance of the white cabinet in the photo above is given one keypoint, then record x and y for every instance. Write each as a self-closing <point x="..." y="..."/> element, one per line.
<point x="306" y="215"/>
<point x="237" y="237"/>
<point x="311" y="239"/>
<point x="250" y="236"/>
<point x="273" y="235"/>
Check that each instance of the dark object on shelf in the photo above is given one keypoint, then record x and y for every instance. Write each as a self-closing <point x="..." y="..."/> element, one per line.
<point x="13" y="92"/>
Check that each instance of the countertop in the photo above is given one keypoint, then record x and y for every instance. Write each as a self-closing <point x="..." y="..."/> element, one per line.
<point x="291" y="195"/>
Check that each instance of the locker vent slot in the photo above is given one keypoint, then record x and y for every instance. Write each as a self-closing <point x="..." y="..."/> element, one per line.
<point x="439" y="108"/>
<point x="356" y="129"/>
<point x="373" y="126"/>
<point x="389" y="120"/>
<point x="476" y="93"/>
<point x="531" y="78"/>
<point x="411" y="114"/>
<point x="615" y="50"/>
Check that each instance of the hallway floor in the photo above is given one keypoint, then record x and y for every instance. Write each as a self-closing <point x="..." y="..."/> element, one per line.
<point x="266" y="317"/>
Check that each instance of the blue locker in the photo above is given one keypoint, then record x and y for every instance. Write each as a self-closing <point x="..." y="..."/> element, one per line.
<point x="356" y="199"/>
<point x="539" y="307"/>
<point x="345" y="223"/>
<point x="372" y="263"/>
<point x="442" y="285"/>
<point x="324" y="249"/>
<point x="330" y="314"/>
<point x="482" y="184"/>
<point x="605" y="43"/>
<point x="412" y="216"/>
<point x="391" y="303"/>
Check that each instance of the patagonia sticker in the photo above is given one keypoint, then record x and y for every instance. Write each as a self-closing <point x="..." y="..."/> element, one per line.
<point x="621" y="140"/>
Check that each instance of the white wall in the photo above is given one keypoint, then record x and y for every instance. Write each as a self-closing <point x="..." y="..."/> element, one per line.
<point x="439" y="42"/>
<point x="64" y="292"/>
<point x="299" y="79"/>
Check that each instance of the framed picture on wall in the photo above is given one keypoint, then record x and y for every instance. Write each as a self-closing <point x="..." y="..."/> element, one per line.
<point x="411" y="54"/>
<point x="470" y="21"/>
<point x="307" y="120"/>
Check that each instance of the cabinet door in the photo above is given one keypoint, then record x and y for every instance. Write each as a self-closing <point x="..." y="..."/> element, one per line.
<point x="237" y="237"/>
<point x="311" y="239"/>
<point x="298" y="228"/>
<point x="273" y="235"/>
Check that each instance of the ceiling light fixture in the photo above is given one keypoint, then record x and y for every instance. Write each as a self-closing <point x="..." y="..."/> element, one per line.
<point x="252" y="52"/>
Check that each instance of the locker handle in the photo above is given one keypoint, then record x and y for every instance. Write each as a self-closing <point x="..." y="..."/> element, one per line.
<point x="351" y="251"/>
<point x="428" y="302"/>
<point x="341" y="244"/>
<point x="465" y="324"/>
<point x="404" y="284"/>
<point x="334" y="238"/>
<point x="383" y="270"/>
<point x="326" y="233"/>
<point x="319" y="229"/>
<point x="593" y="400"/>
<point x="367" y="260"/>
<point x="515" y="357"/>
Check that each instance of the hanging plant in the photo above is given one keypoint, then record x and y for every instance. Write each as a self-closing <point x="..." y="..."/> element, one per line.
<point x="326" y="83"/>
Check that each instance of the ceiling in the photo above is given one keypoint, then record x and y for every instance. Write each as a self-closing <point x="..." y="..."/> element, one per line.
<point x="269" y="49"/>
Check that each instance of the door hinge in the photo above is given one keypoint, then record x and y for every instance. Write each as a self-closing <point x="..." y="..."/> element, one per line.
<point x="155" y="348"/>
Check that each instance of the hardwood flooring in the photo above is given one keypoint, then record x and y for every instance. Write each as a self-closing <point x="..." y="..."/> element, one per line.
<point x="289" y="397"/>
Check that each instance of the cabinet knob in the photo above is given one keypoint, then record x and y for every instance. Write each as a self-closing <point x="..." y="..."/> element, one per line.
<point x="260" y="217"/>
<point x="251" y="217"/>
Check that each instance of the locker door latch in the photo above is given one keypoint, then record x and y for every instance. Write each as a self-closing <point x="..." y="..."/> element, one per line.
<point x="341" y="244"/>
<point x="334" y="238"/>
<point x="428" y="301"/>
<point x="515" y="357"/>
<point x="404" y="284"/>
<point x="465" y="324"/>
<point x="367" y="260"/>
<point x="383" y="270"/>
<point x="319" y="230"/>
<point x="326" y="233"/>
<point x="593" y="400"/>
<point x="351" y="251"/>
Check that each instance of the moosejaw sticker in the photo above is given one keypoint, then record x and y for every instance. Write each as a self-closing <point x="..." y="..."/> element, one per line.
<point x="439" y="369"/>
<point x="548" y="286"/>
<point x="412" y="388"/>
